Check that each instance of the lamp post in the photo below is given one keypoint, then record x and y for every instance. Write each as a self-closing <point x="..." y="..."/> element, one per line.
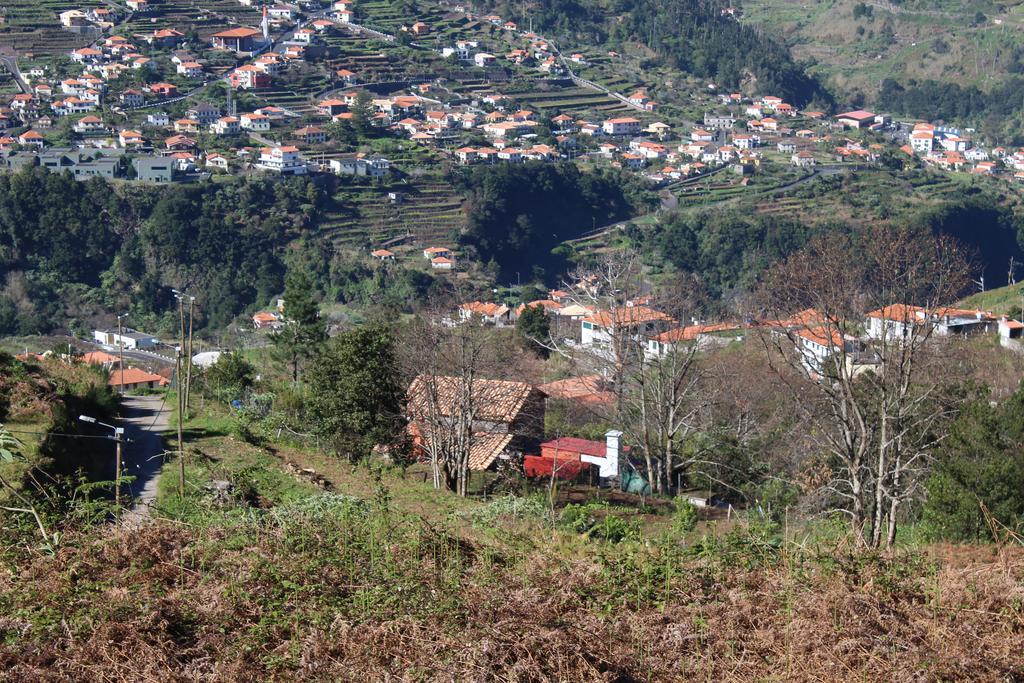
<point x="118" y="440"/>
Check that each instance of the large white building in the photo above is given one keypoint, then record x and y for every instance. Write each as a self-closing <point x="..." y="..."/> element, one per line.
<point x="283" y="160"/>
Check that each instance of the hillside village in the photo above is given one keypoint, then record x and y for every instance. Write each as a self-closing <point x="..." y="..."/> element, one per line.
<point x="154" y="100"/>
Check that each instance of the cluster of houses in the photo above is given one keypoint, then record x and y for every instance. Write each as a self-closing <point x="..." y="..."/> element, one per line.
<point x="949" y="149"/>
<point x="817" y="338"/>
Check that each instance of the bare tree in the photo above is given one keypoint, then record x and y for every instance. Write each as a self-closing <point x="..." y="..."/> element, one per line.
<point x="875" y="393"/>
<point x="656" y="387"/>
<point x="465" y="412"/>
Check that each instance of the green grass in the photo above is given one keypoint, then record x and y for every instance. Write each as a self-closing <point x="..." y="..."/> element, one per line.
<point x="997" y="301"/>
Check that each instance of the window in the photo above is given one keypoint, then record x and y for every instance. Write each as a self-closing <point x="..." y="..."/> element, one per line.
<point x="587" y="326"/>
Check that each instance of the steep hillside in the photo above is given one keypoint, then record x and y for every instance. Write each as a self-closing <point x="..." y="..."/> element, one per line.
<point x="855" y="45"/>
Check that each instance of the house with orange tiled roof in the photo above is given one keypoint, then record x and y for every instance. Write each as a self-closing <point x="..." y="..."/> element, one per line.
<point x="491" y="313"/>
<point x="267" y="320"/>
<point x="130" y="379"/>
<point x="436" y="252"/>
<point x="599" y="328"/>
<point x="625" y="125"/>
<point x="506" y="418"/>
<point x="241" y="39"/>
<point x="100" y="358"/>
<point x="704" y="335"/>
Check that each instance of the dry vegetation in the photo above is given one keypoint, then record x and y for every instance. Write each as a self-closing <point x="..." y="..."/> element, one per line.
<point x="356" y="591"/>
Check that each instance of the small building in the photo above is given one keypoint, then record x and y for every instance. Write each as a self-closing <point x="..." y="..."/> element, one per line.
<point x="267" y="320"/>
<point x="442" y="263"/>
<point x="284" y="160"/>
<point x="856" y="119"/>
<point x="249" y="77"/>
<point x="311" y="135"/>
<point x="154" y="169"/>
<point x="127" y="338"/>
<point x="242" y="39"/>
<point x="131" y="379"/>
<point x="164" y="89"/>
<point x="508" y="419"/>
<point x="484" y="59"/>
<point x="802" y="159"/>
<point x="436" y="252"/>
<point x="488" y="312"/>
<point x="254" y="122"/>
<point x="602" y="454"/>
<point x="383" y="254"/>
<point x="226" y="125"/>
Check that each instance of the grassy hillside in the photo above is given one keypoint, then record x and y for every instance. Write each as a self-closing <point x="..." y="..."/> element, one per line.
<point x="998" y="301"/>
<point x="382" y="578"/>
<point x="855" y="45"/>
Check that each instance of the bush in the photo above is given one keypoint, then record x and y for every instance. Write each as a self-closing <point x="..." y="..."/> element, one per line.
<point x="685" y="519"/>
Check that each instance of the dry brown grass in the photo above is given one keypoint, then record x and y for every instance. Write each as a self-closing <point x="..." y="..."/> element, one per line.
<point x="173" y="603"/>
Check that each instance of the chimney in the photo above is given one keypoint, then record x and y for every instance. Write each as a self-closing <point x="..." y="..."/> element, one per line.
<point x="610" y="466"/>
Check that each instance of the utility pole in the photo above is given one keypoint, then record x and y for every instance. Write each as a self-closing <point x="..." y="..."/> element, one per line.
<point x="181" y="393"/>
<point x="117" y="467"/>
<point x="120" y="346"/>
<point x="188" y="359"/>
<point x="181" y="433"/>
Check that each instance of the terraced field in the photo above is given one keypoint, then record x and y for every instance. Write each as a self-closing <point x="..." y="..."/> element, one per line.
<point x="570" y="99"/>
<point x="296" y="96"/>
<point x="33" y="26"/>
<point x="369" y="66"/>
<point x="388" y="17"/>
<point x="207" y="17"/>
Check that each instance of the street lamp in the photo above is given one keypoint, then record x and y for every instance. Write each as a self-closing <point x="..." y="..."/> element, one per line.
<point x="120" y="346"/>
<point x="118" y="440"/>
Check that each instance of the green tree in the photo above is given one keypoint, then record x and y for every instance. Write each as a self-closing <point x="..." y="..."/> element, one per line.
<point x="533" y="328"/>
<point x="229" y="376"/>
<point x="362" y="113"/>
<point x="303" y="332"/>
<point x="981" y="470"/>
<point x="355" y="393"/>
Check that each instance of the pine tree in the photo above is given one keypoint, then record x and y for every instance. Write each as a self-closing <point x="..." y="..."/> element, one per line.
<point x="303" y="332"/>
<point x="355" y="394"/>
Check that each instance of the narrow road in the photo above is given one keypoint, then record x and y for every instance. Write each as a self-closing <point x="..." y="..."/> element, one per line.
<point x="145" y="418"/>
<point x="12" y="65"/>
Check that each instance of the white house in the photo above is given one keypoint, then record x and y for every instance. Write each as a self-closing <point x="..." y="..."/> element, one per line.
<point x="255" y="122"/>
<point x="483" y="59"/>
<point x="190" y="69"/>
<point x="621" y="126"/>
<point x="492" y="313"/>
<point x="284" y="160"/>
<point x="598" y="329"/>
<point x="225" y="125"/>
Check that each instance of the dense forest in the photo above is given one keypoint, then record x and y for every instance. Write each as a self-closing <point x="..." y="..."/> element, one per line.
<point x="692" y="36"/>
<point x="518" y="214"/>
<point x="71" y="248"/>
<point x="935" y="100"/>
<point x="728" y="250"/>
<point x="72" y="253"/>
